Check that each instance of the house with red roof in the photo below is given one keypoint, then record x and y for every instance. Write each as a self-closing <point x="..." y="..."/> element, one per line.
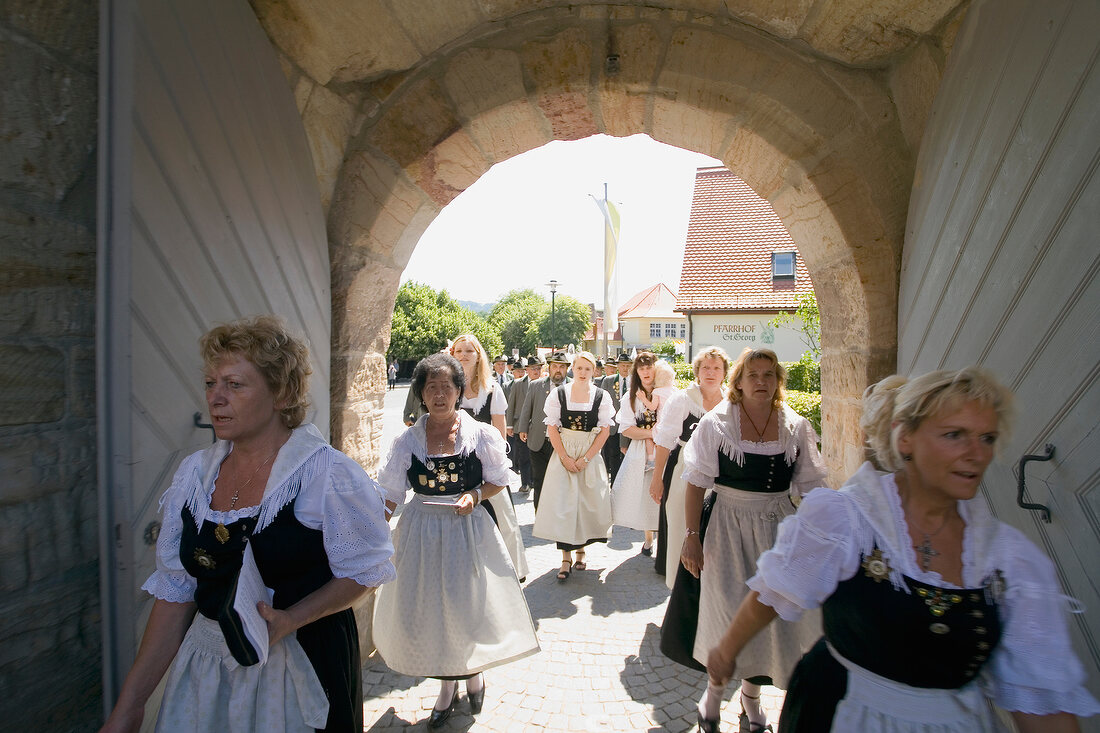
<point x="740" y="269"/>
<point x="648" y="317"/>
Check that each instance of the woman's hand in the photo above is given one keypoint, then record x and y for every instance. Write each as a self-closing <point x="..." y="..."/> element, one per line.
<point x="466" y="503"/>
<point x="720" y="665"/>
<point x="691" y="554"/>
<point x="573" y="465"/>
<point x="656" y="487"/>
<point x="279" y="623"/>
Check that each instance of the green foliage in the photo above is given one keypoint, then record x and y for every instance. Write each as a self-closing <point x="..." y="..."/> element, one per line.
<point x="810" y="329"/>
<point x="806" y="404"/>
<point x="684" y="373"/>
<point x="571" y="319"/>
<point x="424" y="320"/>
<point x="667" y="347"/>
<point x="804" y="374"/>
<point x="517" y="317"/>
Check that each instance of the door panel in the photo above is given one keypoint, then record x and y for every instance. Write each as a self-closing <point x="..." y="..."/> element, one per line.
<point x="1000" y="265"/>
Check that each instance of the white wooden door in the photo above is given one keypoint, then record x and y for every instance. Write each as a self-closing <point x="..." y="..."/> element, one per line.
<point x="1001" y="261"/>
<point x="216" y="215"/>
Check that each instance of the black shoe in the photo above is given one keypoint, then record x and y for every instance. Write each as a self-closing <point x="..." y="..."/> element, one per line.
<point x="439" y="717"/>
<point x="707" y="725"/>
<point x="477" y="699"/>
<point x="647" y="551"/>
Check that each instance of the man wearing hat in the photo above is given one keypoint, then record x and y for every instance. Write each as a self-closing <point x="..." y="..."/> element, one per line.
<point x="500" y="372"/>
<point x="530" y="426"/>
<point x="618" y="386"/>
<point x="521" y="459"/>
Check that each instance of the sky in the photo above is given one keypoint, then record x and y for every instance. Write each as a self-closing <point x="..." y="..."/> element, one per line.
<point x="532" y="219"/>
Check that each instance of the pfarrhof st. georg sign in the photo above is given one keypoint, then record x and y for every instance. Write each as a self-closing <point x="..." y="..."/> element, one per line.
<point x="740" y="332"/>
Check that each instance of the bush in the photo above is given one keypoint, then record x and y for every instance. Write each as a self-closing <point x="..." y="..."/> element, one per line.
<point x="803" y="375"/>
<point x="806" y="404"/>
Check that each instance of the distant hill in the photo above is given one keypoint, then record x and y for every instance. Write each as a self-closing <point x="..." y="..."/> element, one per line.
<point x="482" y="308"/>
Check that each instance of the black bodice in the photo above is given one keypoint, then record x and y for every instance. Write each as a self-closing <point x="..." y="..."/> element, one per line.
<point x="582" y="420"/>
<point x="688" y="428"/>
<point x="445" y="475"/>
<point x="764" y="474"/>
<point x="483" y="415"/>
<point x="647" y="419"/>
<point x="291" y="558"/>
<point x="930" y="637"/>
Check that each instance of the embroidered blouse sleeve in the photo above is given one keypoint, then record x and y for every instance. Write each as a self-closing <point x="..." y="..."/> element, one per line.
<point x="352" y="521"/>
<point x="809" y="469"/>
<point x="394" y="474"/>
<point x="552" y="409"/>
<point x="499" y="404"/>
<point x="491" y="453"/>
<point x="701" y="453"/>
<point x="1034" y="669"/>
<point x="170" y="582"/>
<point x="606" y="416"/>
<point x="814" y="550"/>
<point x="670" y="420"/>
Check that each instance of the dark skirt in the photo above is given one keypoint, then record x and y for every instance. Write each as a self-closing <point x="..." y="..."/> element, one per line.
<point x="682" y="614"/>
<point x="332" y="645"/>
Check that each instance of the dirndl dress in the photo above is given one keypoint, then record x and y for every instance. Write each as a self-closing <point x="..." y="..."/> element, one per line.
<point x="500" y="505"/>
<point x="631" y="504"/>
<point x="575" y="508"/>
<point x="903" y="650"/>
<point x="456" y="607"/>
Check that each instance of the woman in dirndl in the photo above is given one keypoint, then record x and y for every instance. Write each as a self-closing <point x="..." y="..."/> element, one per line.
<point x="456" y="607"/>
<point x="575" y="508"/>
<point x="484" y="399"/>
<point x="315" y="526"/>
<point x="676" y="422"/>
<point x="934" y="610"/>
<point x="631" y="504"/>
<point x="755" y="454"/>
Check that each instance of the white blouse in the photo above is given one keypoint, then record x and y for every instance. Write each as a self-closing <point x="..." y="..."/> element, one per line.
<point x="628" y="417"/>
<point x="335" y="496"/>
<point x="552" y="408"/>
<point x="498" y="406"/>
<point x="720" y="430"/>
<point x="472" y="437"/>
<point x="674" y="410"/>
<point x="1032" y="670"/>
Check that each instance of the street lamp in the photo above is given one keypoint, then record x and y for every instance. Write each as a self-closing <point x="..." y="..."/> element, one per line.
<point x="553" y="285"/>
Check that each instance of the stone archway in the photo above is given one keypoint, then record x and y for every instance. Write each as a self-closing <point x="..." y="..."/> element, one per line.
<point x="831" y="146"/>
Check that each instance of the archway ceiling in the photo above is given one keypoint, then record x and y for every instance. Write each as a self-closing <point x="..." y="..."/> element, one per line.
<point x="340" y="41"/>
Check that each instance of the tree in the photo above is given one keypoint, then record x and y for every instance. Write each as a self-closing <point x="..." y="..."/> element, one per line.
<point x="571" y="319"/>
<point x="424" y="320"/>
<point x="810" y="329"/>
<point x="517" y="317"/>
<point x="667" y="347"/>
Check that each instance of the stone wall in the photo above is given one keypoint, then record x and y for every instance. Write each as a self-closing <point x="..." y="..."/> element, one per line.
<point x="49" y="573"/>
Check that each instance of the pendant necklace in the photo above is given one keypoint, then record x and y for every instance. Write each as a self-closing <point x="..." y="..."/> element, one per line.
<point x="925" y="549"/>
<point x="430" y="464"/>
<point x="221" y="534"/>
<point x="759" y="432"/>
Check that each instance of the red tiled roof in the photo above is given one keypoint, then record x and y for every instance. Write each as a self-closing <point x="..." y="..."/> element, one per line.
<point x="657" y="301"/>
<point x="727" y="257"/>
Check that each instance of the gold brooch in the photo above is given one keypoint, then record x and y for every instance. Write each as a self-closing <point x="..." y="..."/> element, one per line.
<point x="204" y="558"/>
<point x="876" y="567"/>
<point x="938" y="602"/>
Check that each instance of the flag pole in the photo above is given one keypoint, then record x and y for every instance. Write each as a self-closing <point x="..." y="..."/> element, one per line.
<point x="606" y="349"/>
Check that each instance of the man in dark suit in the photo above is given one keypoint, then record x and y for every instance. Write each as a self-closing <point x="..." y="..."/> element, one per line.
<point x="500" y="373"/>
<point x="530" y="425"/>
<point x="521" y="459"/>
<point x="617" y="385"/>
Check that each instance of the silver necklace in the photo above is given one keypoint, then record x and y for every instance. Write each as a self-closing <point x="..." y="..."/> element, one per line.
<point x="221" y="533"/>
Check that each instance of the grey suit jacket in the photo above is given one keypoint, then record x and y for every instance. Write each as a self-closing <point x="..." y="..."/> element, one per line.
<point x="533" y="413"/>
<point x="611" y="384"/>
<point x="516" y="396"/>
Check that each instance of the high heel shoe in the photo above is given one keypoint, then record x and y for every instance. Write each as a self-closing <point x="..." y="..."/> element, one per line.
<point x="744" y="725"/>
<point x="707" y="725"/>
<point x="439" y="717"/>
<point x="477" y="699"/>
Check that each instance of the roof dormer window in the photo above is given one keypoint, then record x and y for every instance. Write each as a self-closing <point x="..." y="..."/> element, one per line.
<point x="783" y="265"/>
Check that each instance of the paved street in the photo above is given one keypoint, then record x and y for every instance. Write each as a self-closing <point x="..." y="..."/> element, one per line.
<point x="600" y="668"/>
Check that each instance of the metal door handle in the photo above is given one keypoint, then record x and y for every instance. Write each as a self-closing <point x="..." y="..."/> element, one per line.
<point x="1020" y="487"/>
<point x="200" y="424"/>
